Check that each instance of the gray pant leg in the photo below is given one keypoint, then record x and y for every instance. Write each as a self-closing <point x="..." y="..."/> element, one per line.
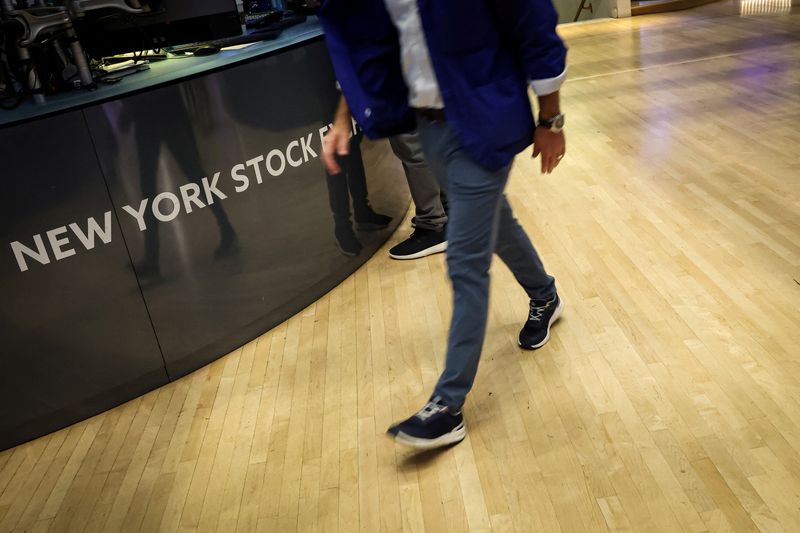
<point x="425" y="190"/>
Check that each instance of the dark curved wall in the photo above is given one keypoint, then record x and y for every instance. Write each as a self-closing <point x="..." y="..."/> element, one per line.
<point x="111" y="321"/>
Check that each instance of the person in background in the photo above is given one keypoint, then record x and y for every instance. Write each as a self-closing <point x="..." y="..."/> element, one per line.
<point x="430" y="201"/>
<point x="459" y="71"/>
<point x="348" y="185"/>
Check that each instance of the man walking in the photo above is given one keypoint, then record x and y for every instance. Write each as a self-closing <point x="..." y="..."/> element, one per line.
<point x="459" y="70"/>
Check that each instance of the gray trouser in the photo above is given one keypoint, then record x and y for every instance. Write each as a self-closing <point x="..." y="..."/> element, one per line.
<point x="430" y="200"/>
<point x="480" y="222"/>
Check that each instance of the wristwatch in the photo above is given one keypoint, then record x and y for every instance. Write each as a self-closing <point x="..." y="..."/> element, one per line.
<point x="554" y="124"/>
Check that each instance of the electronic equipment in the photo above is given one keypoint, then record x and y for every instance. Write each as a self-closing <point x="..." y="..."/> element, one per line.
<point x="45" y="45"/>
<point x="260" y="13"/>
<point x="207" y="50"/>
<point x="265" y="32"/>
<point x="164" y="23"/>
<point x="42" y="50"/>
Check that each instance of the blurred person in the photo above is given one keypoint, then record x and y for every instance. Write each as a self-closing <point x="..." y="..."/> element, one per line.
<point x="459" y="71"/>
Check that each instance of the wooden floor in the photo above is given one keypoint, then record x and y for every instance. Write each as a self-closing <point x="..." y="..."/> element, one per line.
<point x="667" y="400"/>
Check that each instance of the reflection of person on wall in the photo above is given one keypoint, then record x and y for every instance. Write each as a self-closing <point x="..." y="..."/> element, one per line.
<point x="172" y="132"/>
<point x="346" y="182"/>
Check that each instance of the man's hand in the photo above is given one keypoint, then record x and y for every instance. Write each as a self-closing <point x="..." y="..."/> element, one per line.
<point x="337" y="141"/>
<point x="551" y="146"/>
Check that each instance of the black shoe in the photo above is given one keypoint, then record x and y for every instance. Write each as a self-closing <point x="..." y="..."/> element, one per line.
<point x="433" y="426"/>
<point x="536" y="331"/>
<point x="347" y="242"/>
<point x="369" y="220"/>
<point x="423" y="242"/>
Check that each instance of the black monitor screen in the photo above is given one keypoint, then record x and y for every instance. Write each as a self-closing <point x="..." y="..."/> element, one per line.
<point x="168" y="23"/>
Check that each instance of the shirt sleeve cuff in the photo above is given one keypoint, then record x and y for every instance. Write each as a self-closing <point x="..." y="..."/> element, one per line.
<point x="548" y="85"/>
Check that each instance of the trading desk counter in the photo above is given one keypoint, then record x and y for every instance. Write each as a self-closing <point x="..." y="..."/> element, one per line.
<point x="152" y="226"/>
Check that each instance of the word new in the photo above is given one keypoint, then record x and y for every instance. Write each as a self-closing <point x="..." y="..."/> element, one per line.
<point x="60" y="244"/>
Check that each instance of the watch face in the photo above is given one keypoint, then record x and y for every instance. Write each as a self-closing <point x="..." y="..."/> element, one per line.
<point x="555" y="124"/>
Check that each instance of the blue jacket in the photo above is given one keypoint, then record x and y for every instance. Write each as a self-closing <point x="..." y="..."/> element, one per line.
<point x="484" y="52"/>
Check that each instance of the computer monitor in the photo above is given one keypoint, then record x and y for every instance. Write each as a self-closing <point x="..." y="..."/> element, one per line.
<point x="168" y="23"/>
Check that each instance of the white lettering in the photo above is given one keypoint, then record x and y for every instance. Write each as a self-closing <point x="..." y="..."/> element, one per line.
<point x="93" y="230"/>
<point x="270" y="157"/>
<point x="191" y="195"/>
<point x="58" y="244"/>
<point x="40" y="254"/>
<point x="255" y="164"/>
<point x="238" y="175"/>
<point x="138" y="214"/>
<point x="308" y="152"/>
<point x="293" y="162"/>
<point x="176" y="207"/>
<point x="212" y="190"/>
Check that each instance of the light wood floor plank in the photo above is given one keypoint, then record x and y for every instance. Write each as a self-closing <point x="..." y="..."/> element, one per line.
<point x="74" y="512"/>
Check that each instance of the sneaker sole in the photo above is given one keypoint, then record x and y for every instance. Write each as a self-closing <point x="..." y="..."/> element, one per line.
<point x="556" y="316"/>
<point x="436" y="249"/>
<point x="455" y="436"/>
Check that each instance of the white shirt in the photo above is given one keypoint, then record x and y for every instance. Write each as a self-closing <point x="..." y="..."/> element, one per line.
<point x="416" y="59"/>
<point x="423" y="89"/>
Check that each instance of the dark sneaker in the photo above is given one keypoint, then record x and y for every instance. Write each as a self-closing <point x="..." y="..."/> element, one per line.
<point x="369" y="220"/>
<point x="433" y="426"/>
<point x="423" y="242"/>
<point x="536" y="331"/>
<point x="346" y="241"/>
